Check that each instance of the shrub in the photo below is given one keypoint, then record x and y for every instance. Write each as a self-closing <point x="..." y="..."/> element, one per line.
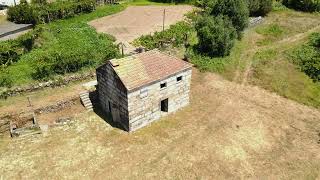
<point x="259" y="7"/>
<point x="59" y="47"/>
<point x="303" y="5"/>
<point x="176" y="35"/>
<point x="5" y="80"/>
<point x="11" y="50"/>
<point x="216" y="35"/>
<point x="41" y="12"/>
<point x="70" y="51"/>
<point x="22" y="13"/>
<point x="307" y="57"/>
<point x="237" y="11"/>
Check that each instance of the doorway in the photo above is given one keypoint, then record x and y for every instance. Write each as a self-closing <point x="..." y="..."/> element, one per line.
<point x="109" y="104"/>
<point x="164" y="105"/>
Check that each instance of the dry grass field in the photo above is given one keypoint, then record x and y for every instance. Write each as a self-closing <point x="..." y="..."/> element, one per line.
<point x="229" y="131"/>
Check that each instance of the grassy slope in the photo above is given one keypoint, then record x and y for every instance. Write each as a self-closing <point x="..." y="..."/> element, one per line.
<point x="261" y="57"/>
<point x="21" y="71"/>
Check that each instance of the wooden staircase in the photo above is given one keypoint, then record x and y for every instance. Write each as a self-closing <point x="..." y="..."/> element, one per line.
<point x="86" y="101"/>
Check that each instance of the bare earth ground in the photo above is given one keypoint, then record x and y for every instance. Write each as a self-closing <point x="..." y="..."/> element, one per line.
<point x="229" y="131"/>
<point x="135" y="21"/>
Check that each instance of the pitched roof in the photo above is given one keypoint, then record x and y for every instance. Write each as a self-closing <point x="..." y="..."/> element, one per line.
<point x="144" y="68"/>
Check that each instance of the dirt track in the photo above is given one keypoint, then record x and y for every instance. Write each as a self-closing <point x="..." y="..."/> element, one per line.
<point x="228" y="131"/>
<point x="139" y="20"/>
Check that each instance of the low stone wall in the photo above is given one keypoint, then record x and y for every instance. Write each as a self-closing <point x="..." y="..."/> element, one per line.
<point x="52" y="84"/>
<point x="46" y="109"/>
<point x="58" y="106"/>
<point x="22" y="117"/>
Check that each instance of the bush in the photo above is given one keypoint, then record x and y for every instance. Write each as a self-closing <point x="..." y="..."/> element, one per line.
<point x="41" y="12"/>
<point x="176" y="35"/>
<point x="303" y="5"/>
<point x="259" y="7"/>
<point x="237" y="11"/>
<point x="59" y="47"/>
<point x="307" y="57"/>
<point x="5" y="80"/>
<point x="11" y="50"/>
<point x="22" y="13"/>
<point x="216" y="35"/>
<point x="70" y="51"/>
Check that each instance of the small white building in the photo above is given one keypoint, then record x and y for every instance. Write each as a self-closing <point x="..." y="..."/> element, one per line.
<point x="140" y="89"/>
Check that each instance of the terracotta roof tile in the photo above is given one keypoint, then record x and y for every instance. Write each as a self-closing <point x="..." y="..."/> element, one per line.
<point x="141" y="69"/>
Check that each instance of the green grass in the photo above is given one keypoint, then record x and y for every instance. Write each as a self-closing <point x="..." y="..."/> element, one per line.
<point x="271" y="32"/>
<point x="260" y="57"/>
<point x="72" y="35"/>
<point x="274" y="72"/>
<point x="221" y="65"/>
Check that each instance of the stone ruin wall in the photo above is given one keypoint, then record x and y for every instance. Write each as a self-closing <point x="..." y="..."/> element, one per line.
<point x="144" y="109"/>
<point x="110" y="88"/>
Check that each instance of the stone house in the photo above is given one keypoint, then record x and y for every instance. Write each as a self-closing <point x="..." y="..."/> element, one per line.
<point x="142" y="88"/>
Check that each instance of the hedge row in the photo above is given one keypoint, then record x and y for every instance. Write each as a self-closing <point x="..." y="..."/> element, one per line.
<point x="307" y="57"/>
<point x="42" y="13"/>
<point x="259" y="7"/>
<point x="11" y="50"/>
<point x="303" y="5"/>
<point x="176" y="35"/>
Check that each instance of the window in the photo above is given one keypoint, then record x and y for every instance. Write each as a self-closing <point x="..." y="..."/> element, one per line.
<point x="163" y="85"/>
<point x="143" y="93"/>
<point x="179" y="78"/>
<point x="164" y="105"/>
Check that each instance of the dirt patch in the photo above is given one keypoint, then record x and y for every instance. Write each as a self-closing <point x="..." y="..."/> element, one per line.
<point x="228" y="131"/>
<point x="68" y="112"/>
<point x="136" y="21"/>
<point x="39" y="99"/>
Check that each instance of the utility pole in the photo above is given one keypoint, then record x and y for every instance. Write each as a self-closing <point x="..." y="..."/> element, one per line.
<point x="164" y="17"/>
<point x="122" y="45"/>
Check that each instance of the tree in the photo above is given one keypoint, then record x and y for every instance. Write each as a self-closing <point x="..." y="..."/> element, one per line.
<point x="259" y="7"/>
<point x="22" y="13"/>
<point x="303" y="5"/>
<point x="236" y="10"/>
<point x="216" y="35"/>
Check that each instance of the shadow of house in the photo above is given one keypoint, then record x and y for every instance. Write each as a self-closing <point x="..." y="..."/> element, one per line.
<point x="107" y="117"/>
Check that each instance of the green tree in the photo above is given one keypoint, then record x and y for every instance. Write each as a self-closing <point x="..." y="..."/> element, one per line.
<point x="22" y="13"/>
<point x="307" y="57"/>
<point x="236" y="10"/>
<point x="303" y="5"/>
<point x="259" y="7"/>
<point x="216" y="35"/>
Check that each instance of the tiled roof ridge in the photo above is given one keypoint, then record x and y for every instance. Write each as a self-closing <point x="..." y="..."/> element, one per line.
<point x="131" y="80"/>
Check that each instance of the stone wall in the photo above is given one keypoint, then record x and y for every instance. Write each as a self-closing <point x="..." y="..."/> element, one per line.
<point x="112" y="92"/>
<point x="144" y="104"/>
<point x="49" y="84"/>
